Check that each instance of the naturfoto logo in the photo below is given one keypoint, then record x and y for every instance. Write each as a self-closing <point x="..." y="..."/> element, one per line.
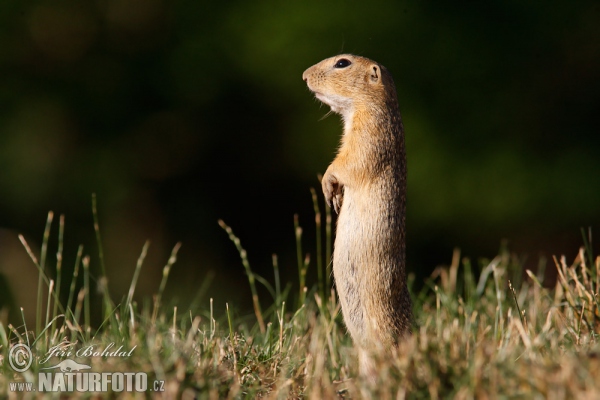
<point x="69" y="375"/>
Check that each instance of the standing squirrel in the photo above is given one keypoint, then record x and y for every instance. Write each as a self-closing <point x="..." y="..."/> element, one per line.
<point x="366" y="183"/>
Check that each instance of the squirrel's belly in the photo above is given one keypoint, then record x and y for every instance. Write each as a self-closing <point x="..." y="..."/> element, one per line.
<point x="365" y="259"/>
<point x="353" y="246"/>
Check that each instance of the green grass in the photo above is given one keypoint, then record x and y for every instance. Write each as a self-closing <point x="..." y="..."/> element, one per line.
<point x="497" y="333"/>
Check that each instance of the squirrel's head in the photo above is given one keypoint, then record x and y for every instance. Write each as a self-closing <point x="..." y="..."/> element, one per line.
<point x="347" y="83"/>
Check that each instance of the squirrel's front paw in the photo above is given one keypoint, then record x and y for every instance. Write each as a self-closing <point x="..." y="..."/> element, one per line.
<point x="337" y="201"/>
<point x="332" y="189"/>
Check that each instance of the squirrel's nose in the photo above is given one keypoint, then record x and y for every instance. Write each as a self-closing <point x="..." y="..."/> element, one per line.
<point x="305" y="75"/>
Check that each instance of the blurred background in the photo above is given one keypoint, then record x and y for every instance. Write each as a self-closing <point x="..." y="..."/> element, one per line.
<point x="177" y="114"/>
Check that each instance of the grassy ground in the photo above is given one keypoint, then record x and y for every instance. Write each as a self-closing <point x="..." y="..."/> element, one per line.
<point x="496" y="333"/>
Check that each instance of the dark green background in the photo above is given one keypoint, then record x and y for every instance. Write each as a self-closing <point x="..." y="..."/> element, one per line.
<point x="178" y="113"/>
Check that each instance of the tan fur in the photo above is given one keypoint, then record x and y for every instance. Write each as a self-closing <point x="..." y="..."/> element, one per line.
<point x="366" y="182"/>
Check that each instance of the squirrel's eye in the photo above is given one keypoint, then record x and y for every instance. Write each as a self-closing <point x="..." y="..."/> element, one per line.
<point x="342" y="63"/>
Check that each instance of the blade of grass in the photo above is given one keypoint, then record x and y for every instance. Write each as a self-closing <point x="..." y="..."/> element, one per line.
<point x="278" y="298"/>
<point x="266" y="284"/>
<point x="86" y="298"/>
<point x="206" y="282"/>
<point x="136" y="275"/>
<point x="251" y="278"/>
<point x="499" y="313"/>
<point x="469" y="281"/>
<point x="131" y="316"/>
<point x="74" y="280"/>
<point x="231" y="342"/>
<point x="38" y="314"/>
<point x="105" y="323"/>
<point x="328" y="247"/>
<point x="534" y="279"/>
<point x="25" y="326"/>
<point x="174" y="326"/>
<point x="59" y="259"/>
<point x="541" y="271"/>
<point x="213" y="323"/>
<point x="77" y="315"/>
<point x="301" y="272"/>
<point x="281" y="318"/>
<point x="163" y="282"/>
<point x="3" y="336"/>
<point x="521" y="314"/>
<point x="318" y="229"/>
<point x="50" y="289"/>
<point x="37" y="264"/>
<point x="47" y="328"/>
<point x="103" y="280"/>
<point x="587" y="243"/>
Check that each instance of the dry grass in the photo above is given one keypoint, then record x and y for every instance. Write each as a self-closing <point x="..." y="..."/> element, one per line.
<point x="476" y="335"/>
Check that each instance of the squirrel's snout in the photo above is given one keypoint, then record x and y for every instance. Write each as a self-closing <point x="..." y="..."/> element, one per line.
<point x="305" y="75"/>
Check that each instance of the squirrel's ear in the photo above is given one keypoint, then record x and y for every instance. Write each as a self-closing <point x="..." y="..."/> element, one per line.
<point x="374" y="73"/>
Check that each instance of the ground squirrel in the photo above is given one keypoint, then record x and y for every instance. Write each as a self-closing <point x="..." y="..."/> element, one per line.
<point x="366" y="183"/>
